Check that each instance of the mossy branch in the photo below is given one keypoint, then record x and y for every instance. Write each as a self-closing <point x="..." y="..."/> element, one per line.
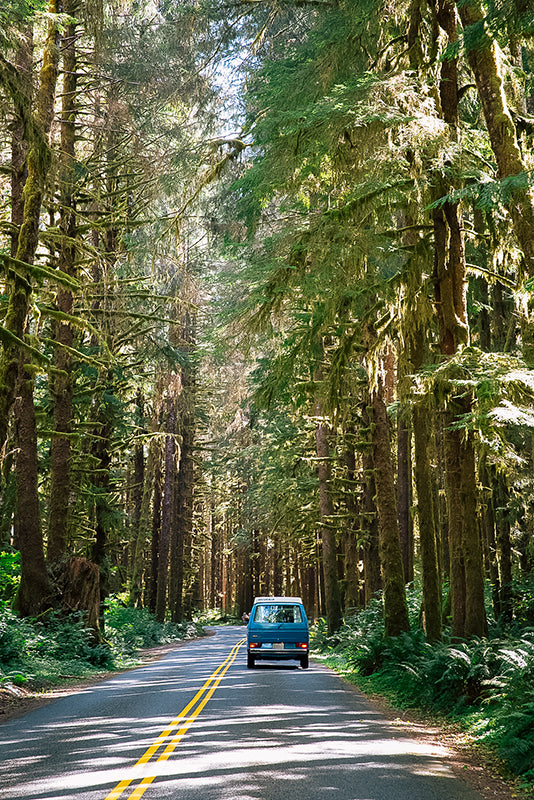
<point x="22" y="268"/>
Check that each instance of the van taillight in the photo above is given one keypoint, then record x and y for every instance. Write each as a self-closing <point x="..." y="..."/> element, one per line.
<point x="303" y="645"/>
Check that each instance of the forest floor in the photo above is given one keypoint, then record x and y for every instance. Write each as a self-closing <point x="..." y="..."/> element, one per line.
<point x="477" y="766"/>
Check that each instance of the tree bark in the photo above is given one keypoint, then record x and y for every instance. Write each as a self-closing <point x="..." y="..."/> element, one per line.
<point x="395" y="608"/>
<point x="61" y="384"/>
<point x="156" y="533"/>
<point x="166" y="515"/>
<point x="185" y="479"/>
<point x="485" y="61"/>
<point x="351" y="572"/>
<point x="140" y="544"/>
<point x="475" y="614"/>
<point x="404" y="497"/>
<point x="81" y="592"/>
<point x="334" y="615"/>
<point x="35" y="592"/>
<point x="371" y="562"/>
<point x="452" y="447"/>
<point x="38" y="164"/>
<point x="427" y="522"/>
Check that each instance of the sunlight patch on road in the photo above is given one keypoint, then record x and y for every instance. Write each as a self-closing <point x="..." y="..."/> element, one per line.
<point x="199" y="770"/>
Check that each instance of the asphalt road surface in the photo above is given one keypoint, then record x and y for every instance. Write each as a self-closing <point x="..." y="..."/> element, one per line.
<point x="198" y="724"/>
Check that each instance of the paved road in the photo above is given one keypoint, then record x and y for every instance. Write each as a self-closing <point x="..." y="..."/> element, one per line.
<point x="198" y="724"/>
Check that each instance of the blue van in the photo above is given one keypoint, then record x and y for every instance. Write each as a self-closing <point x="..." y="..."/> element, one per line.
<point x="277" y="629"/>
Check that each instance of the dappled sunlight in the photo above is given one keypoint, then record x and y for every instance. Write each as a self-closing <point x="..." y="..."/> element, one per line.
<point x="263" y="734"/>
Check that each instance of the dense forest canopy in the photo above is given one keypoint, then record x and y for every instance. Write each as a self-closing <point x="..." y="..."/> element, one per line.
<point x="267" y="307"/>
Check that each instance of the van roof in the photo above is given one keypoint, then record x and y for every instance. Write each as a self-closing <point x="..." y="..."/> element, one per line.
<point x="277" y="600"/>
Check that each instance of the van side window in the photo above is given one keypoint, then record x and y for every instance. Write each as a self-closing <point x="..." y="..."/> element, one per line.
<point x="272" y="614"/>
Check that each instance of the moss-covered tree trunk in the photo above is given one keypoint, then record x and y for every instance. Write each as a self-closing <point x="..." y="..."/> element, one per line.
<point x="16" y="370"/>
<point x="19" y="284"/>
<point x="351" y="550"/>
<point x="61" y="382"/>
<point x="475" y="613"/>
<point x="20" y="133"/>
<point x="451" y="304"/>
<point x="422" y="433"/>
<point x="143" y="531"/>
<point x="369" y="530"/>
<point x="486" y="62"/>
<point x="404" y="496"/>
<point x="334" y="615"/>
<point x="185" y="478"/>
<point x="395" y="607"/>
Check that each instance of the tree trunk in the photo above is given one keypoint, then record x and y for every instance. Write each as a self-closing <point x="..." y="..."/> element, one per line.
<point x="20" y="133"/>
<point x="38" y="164"/>
<point x="487" y="479"/>
<point x="183" y="529"/>
<point x="81" y="592"/>
<point x="371" y="563"/>
<point x="501" y="494"/>
<point x="140" y="544"/>
<point x="61" y="384"/>
<point x="451" y="441"/>
<point x="485" y="61"/>
<point x="156" y="533"/>
<point x="475" y="614"/>
<point x="432" y="600"/>
<point x="34" y="593"/>
<point x="101" y="450"/>
<point x="395" y="608"/>
<point x="351" y="549"/>
<point x="404" y="497"/>
<point x="166" y="515"/>
<point x="334" y="615"/>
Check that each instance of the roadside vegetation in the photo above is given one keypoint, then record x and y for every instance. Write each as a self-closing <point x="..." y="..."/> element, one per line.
<point x="483" y="685"/>
<point x="38" y="653"/>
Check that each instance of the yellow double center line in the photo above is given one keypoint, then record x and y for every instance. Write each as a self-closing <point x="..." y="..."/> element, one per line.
<point x="183" y="722"/>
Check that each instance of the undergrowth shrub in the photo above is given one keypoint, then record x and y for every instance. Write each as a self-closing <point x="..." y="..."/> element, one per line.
<point x="54" y="647"/>
<point x="216" y="616"/>
<point x="129" y="629"/>
<point x="490" y="680"/>
<point x="48" y="649"/>
<point x="511" y="700"/>
<point x="9" y="574"/>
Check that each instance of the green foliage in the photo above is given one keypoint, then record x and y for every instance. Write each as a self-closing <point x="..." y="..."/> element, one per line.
<point x="511" y="701"/>
<point x="523" y="593"/>
<point x="129" y="629"/>
<point x="216" y="616"/>
<point x="488" y="683"/>
<point x="9" y="574"/>
<point x="12" y="640"/>
<point x="48" y="649"/>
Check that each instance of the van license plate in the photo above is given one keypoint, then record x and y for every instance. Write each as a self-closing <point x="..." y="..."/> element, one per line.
<point x="278" y="646"/>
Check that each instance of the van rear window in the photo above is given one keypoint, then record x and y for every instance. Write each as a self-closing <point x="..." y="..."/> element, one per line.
<point x="277" y="613"/>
